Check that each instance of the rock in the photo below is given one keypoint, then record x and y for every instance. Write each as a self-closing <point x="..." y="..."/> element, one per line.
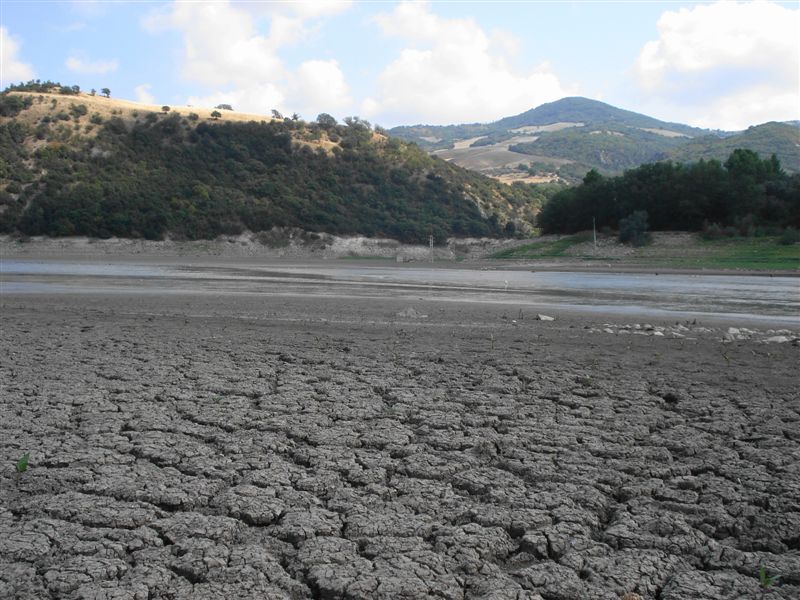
<point x="411" y="313"/>
<point x="541" y="317"/>
<point x="671" y="398"/>
<point x="777" y="339"/>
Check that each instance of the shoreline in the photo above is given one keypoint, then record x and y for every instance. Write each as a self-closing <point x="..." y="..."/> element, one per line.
<point x="358" y="250"/>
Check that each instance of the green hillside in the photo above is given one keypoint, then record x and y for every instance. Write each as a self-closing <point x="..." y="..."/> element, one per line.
<point x="781" y="139"/>
<point x="607" y="147"/>
<point x="589" y="112"/>
<point x="566" y="138"/>
<point x="67" y="170"/>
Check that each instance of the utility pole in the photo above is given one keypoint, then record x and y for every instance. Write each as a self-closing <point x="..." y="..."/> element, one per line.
<point x="430" y="243"/>
<point x="594" y="233"/>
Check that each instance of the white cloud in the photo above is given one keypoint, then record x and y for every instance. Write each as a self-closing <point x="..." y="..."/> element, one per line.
<point x="257" y="99"/>
<point x="97" y="67"/>
<point x="226" y="50"/>
<point x="715" y="56"/>
<point x="143" y="94"/>
<point x="751" y="106"/>
<point x="319" y="86"/>
<point x="310" y="9"/>
<point x="12" y="69"/>
<point x="451" y="71"/>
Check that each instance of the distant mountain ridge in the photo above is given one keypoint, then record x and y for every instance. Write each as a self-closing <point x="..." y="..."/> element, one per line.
<point x="562" y="140"/>
<point x="584" y="110"/>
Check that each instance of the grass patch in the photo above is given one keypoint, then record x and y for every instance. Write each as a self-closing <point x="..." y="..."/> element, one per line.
<point x="739" y="253"/>
<point x="751" y="253"/>
<point x="547" y="249"/>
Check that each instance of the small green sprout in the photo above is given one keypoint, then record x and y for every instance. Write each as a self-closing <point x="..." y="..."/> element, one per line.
<point x="22" y="463"/>
<point x="765" y="580"/>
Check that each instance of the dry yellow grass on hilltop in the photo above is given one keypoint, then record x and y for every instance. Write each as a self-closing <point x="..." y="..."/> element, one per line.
<point x="52" y="104"/>
<point x="125" y="109"/>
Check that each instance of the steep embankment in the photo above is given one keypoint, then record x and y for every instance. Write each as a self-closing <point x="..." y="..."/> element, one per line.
<point x="86" y="165"/>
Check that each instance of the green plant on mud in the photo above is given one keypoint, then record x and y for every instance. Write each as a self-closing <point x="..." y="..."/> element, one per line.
<point x="765" y="581"/>
<point x="22" y="463"/>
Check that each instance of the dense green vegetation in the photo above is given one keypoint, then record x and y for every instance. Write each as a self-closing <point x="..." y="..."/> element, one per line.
<point x="607" y="147"/>
<point x="165" y="174"/>
<point x="745" y="192"/>
<point x="44" y="87"/>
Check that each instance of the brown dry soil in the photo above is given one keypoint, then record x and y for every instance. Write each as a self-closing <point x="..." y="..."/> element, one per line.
<point x="272" y="447"/>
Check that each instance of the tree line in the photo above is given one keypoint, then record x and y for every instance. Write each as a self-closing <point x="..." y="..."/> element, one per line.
<point x="745" y="191"/>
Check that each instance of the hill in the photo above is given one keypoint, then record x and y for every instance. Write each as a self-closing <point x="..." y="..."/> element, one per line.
<point x="77" y="164"/>
<point x="781" y="139"/>
<point x="562" y="140"/>
<point x="590" y="112"/>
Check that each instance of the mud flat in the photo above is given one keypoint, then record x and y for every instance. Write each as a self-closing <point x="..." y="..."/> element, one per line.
<point x="265" y="446"/>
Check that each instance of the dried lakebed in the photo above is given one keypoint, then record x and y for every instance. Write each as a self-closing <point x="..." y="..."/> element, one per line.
<point x="265" y="446"/>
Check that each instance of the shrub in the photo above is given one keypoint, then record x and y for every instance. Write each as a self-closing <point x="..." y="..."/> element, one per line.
<point x="789" y="237"/>
<point x="633" y="229"/>
<point x="713" y="231"/>
<point x="78" y="110"/>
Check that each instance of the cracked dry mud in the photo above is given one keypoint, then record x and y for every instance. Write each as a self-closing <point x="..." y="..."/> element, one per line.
<point x="268" y="447"/>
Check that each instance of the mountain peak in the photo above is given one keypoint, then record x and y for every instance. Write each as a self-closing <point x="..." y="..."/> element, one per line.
<point x="577" y="109"/>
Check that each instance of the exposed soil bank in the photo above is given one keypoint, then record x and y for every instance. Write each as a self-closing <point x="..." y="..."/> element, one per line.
<point x="669" y="253"/>
<point x="242" y="446"/>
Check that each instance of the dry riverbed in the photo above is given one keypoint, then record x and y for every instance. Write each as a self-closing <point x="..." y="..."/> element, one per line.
<point x="247" y="446"/>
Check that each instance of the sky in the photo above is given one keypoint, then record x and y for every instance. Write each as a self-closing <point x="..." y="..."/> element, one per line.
<point x="720" y="65"/>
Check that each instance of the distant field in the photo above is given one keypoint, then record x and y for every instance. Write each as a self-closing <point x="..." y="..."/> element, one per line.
<point x="758" y="253"/>
<point x="680" y="251"/>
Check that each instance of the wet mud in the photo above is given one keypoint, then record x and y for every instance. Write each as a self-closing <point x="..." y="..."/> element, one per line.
<point x="267" y="447"/>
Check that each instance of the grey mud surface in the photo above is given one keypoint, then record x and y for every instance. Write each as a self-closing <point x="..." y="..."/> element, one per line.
<point x="265" y="447"/>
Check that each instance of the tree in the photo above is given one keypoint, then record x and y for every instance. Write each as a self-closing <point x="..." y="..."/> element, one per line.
<point x="357" y="123"/>
<point x="633" y="229"/>
<point x="106" y="92"/>
<point x="165" y="109"/>
<point x="295" y="117"/>
<point x="93" y="92"/>
<point x="326" y="121"/>
<point x="216" y="114"/>
<point x="276" y="114"/>
<point x="224" y="107"/>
